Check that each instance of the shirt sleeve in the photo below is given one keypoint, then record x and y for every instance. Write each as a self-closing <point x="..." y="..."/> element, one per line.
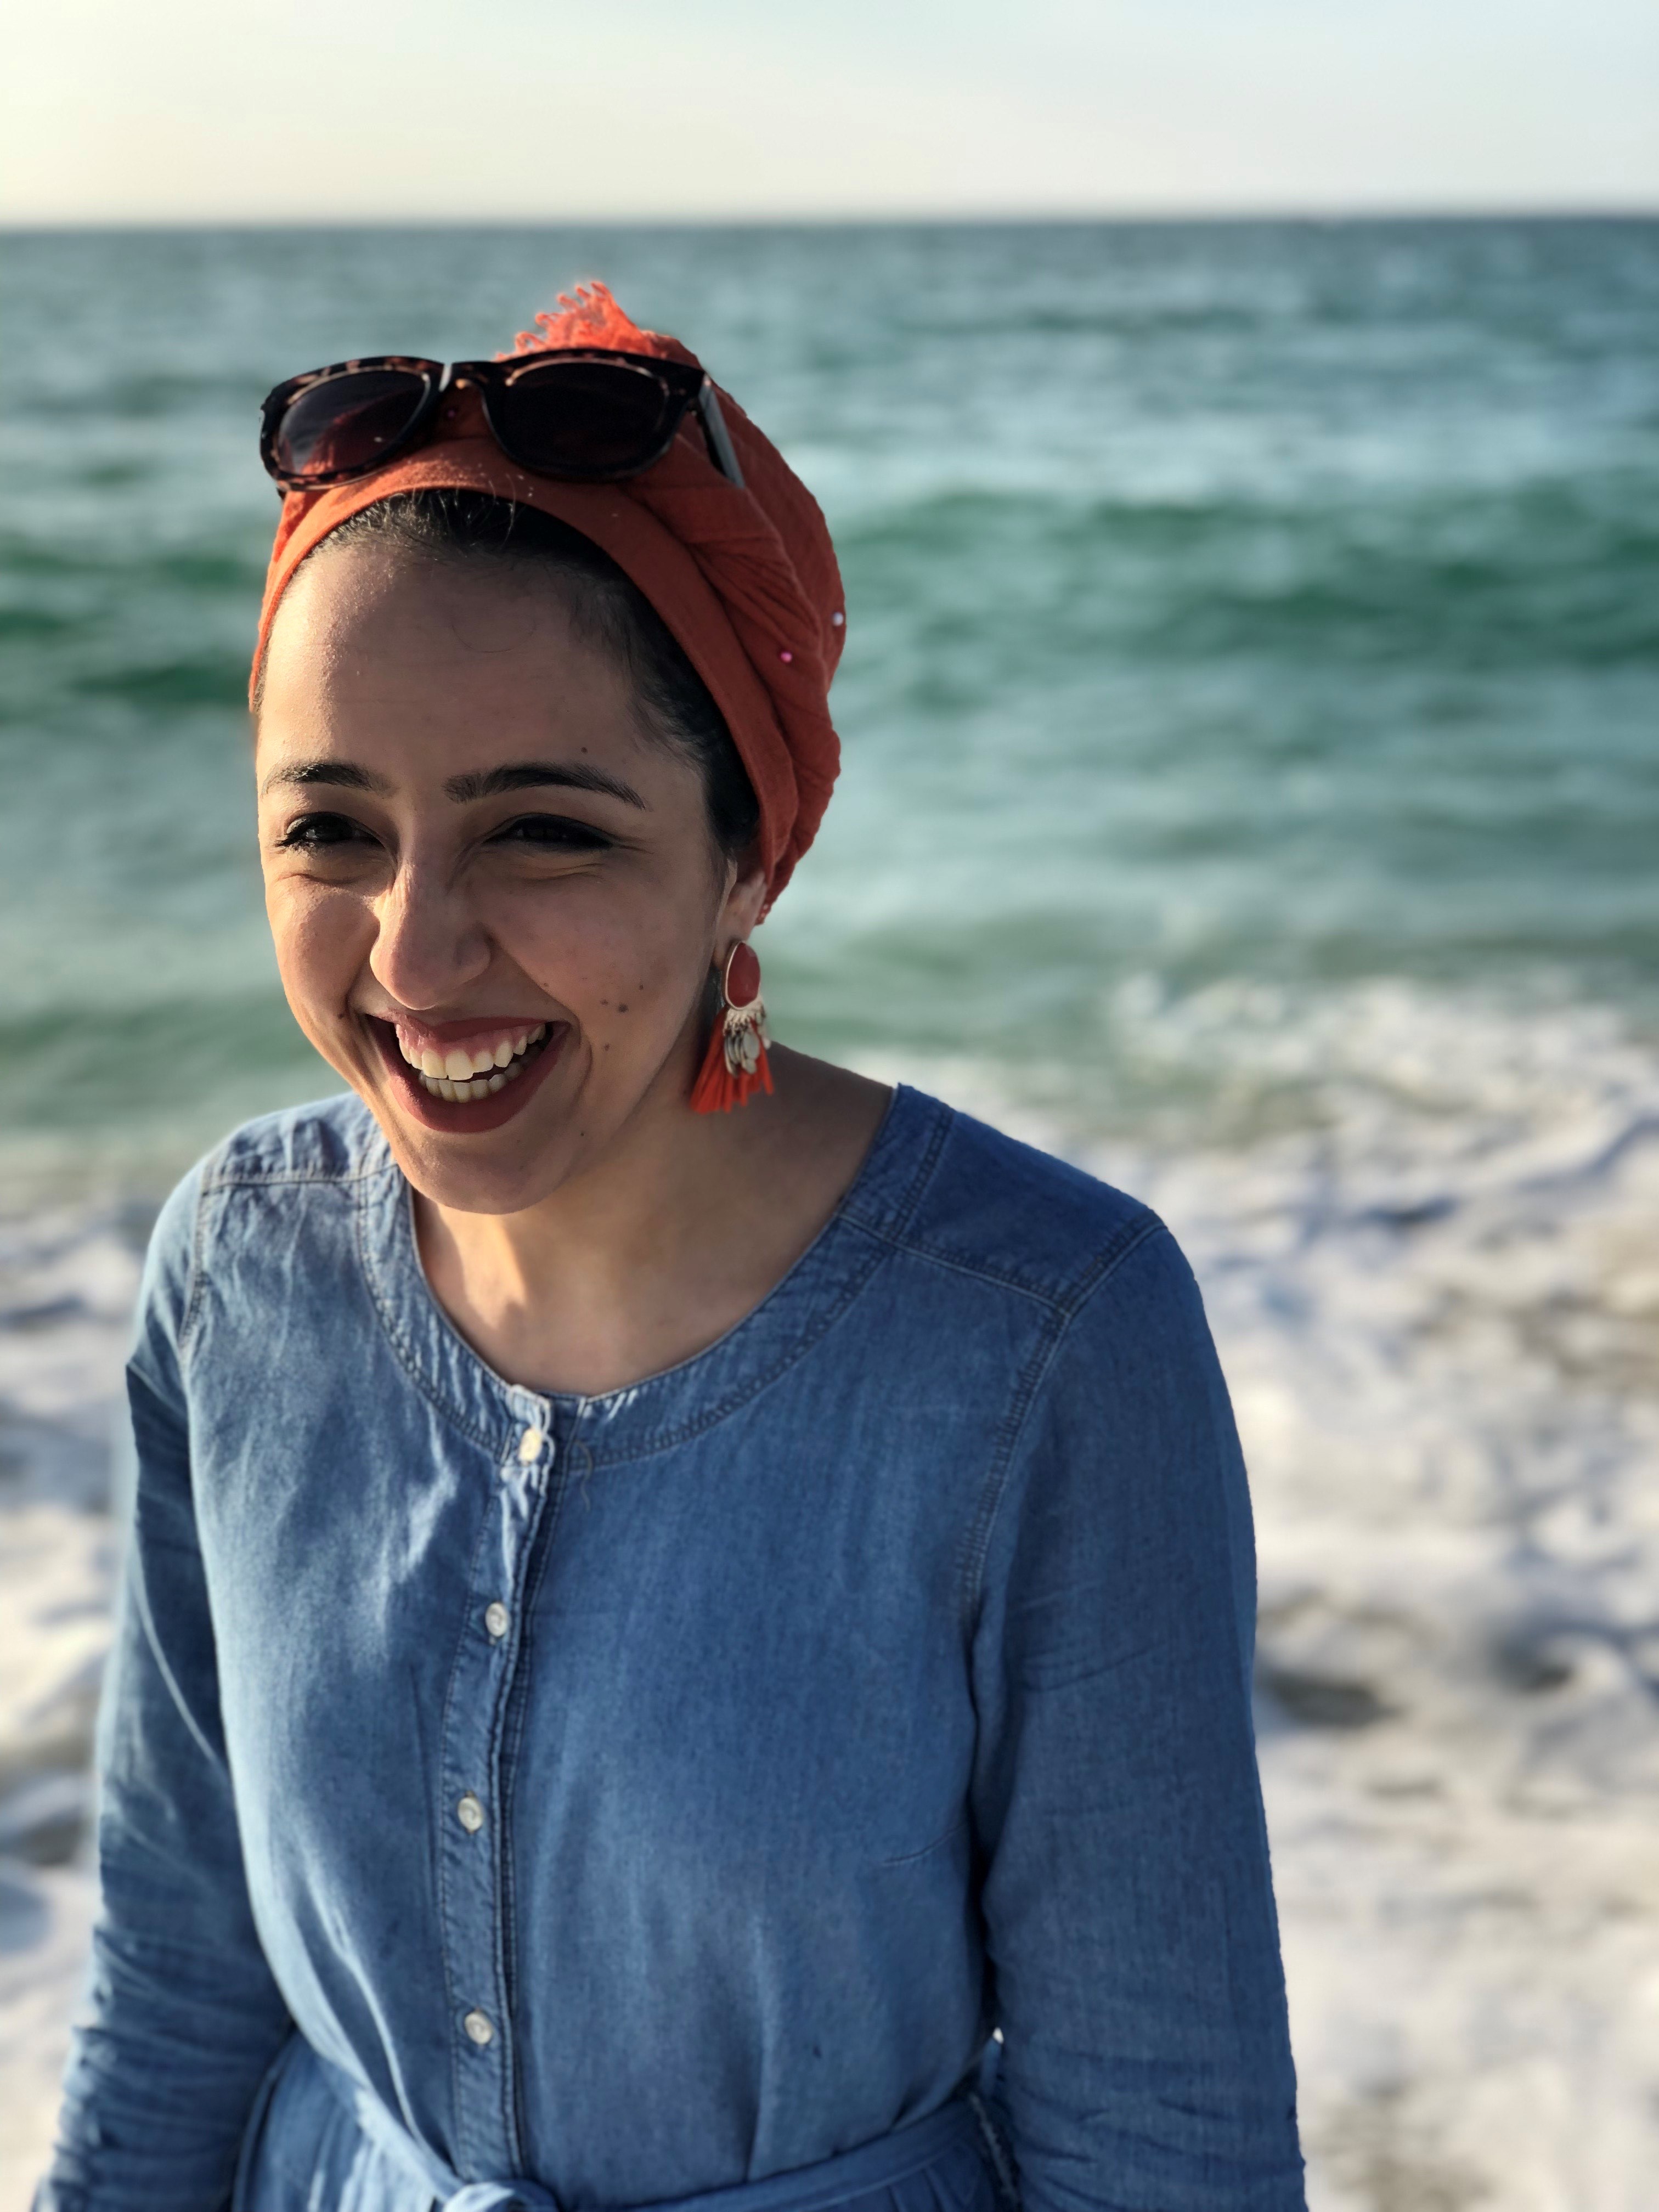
<point x="182" y="2018"/>
<point x="1126" y="1895"/>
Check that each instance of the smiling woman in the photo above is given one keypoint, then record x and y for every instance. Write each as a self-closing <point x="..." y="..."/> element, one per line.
<point x="672" y="1654"/>
<point x="524" y="951"/>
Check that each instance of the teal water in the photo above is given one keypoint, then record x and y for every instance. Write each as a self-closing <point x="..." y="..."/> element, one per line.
<point x="1233" y="608"/>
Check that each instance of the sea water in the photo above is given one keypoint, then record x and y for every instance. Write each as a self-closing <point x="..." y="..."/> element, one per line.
<point x="1251" y="790"/>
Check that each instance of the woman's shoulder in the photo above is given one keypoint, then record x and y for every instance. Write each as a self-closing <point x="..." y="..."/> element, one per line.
<point x="222" y="1205"/>
<point x="328" y="1141"/>
<point x="333" y="1140"/>
<point x="969" y="1196"/>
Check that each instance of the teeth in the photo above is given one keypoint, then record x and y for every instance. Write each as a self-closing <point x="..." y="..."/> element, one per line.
<point x="460" y="1076"/>
<point x="459" y="1065"/>
<point x="441" y="1086"/>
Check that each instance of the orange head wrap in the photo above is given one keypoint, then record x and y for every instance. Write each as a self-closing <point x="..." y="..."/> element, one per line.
<point x="745" y="578"/>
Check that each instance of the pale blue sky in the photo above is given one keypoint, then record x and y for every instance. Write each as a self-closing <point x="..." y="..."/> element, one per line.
<point x="211" y="110"/>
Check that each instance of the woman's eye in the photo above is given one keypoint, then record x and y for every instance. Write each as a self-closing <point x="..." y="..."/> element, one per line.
<point x="317" y="833"/>
<point x="552" y="833"/>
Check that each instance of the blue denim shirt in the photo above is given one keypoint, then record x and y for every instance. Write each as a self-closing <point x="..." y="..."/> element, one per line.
<point x="651" y="1793"/>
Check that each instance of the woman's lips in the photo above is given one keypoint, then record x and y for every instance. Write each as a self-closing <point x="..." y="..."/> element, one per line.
<point x="505" y="1062"/>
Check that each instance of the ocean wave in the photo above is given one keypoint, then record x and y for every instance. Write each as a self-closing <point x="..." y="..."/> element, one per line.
<point x="1476" y="579"/>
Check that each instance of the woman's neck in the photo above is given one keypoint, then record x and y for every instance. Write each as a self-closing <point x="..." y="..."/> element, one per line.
<point x="649" y="1257"/>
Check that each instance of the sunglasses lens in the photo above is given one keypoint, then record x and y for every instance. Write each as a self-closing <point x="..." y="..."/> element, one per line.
<point x="584" y="418"/>
<point x="347" y="421"/>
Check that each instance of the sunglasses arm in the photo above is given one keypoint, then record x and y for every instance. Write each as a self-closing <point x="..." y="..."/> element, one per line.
<point x="719" y="437"/>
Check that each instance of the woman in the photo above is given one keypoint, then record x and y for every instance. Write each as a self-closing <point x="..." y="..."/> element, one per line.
<point x="680" y="1606"/>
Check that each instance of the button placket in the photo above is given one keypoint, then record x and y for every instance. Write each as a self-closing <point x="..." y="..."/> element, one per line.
<point x="471" y="1842"/>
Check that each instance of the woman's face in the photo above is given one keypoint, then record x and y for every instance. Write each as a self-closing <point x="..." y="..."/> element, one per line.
<point x="496" y="903"/>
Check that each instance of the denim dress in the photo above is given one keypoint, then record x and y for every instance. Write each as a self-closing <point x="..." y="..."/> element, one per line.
<point x="819" y="1774"/>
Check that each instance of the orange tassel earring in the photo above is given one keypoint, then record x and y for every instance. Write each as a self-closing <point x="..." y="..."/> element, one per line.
<point x="735" y="1065"/>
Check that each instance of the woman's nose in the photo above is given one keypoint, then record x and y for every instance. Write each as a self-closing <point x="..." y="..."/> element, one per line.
<point x="429" y="945"/>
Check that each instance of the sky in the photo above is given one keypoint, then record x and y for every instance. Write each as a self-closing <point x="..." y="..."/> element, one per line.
<point x="214" y="110"/>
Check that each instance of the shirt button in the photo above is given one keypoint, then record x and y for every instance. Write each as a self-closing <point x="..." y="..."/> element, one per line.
<point x="495" y="1619"/>
<point x="471" y="1814"/>
<point x="477" y="2026"/>
<point x="530" y="1446"/>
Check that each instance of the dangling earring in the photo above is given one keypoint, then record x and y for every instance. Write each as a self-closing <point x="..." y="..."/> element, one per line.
<point x="735" y="1065"/>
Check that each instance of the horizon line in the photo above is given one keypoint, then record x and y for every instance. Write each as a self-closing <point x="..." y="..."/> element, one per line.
<point x="1125" y="217"/>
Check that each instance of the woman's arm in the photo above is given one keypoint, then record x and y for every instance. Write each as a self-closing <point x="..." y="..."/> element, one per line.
<point x="182" y="2018"/>
<point x="1127" y="1900"/>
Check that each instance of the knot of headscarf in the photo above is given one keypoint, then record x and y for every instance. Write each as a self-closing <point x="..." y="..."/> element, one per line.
<point x="744" y="577"/>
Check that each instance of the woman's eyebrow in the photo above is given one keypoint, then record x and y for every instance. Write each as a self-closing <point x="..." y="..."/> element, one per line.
<point x="328" y="771"/>
<point x="527" y="775"/>
<point x="481" y="783"/>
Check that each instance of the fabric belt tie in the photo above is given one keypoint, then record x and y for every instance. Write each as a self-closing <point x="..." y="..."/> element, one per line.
<point x="833" y="2181"/>
<point x="501" y="2196"/>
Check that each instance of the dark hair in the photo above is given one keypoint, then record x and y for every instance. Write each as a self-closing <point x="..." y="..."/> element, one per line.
<point x="607" y="611"/>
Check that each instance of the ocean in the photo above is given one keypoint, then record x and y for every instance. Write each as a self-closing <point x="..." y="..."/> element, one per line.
<point x="1250" y="791"/>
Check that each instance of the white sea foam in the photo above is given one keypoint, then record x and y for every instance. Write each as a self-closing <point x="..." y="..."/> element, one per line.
<point x="67" y="1281"/>
<point x="1430" y="1249"/>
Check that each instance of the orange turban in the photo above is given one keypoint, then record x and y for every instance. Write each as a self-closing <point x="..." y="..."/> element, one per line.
<point x="745" y="578"/>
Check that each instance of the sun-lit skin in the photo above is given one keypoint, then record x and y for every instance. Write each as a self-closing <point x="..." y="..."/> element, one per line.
<point x="582" y="1226"/>
<point x="538" y="905"/>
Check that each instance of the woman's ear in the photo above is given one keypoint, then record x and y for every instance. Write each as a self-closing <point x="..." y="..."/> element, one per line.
<point x="745" y="896"/>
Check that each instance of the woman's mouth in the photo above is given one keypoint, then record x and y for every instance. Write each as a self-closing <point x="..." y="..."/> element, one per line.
<point x="461" y="1073"/>
<point x="467" y="1076"/>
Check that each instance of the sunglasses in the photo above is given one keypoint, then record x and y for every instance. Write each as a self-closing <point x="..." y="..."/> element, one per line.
<point x="593" y="416"/>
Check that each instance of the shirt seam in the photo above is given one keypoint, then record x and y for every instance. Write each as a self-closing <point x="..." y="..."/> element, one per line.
<point x="195" y="1280"/>
<point x="1064" y="1303"/>
<point x="670" y="1439"/>
<point x="214" y="1180"/>
<point x="665" y="1440"/>
<point x="1128" y="1240"/>
<point x="403" y="1351"/>
<point x="504" y="1785"/>
<point x="440" y="1811"/>
<point x="229" y="1179"/>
